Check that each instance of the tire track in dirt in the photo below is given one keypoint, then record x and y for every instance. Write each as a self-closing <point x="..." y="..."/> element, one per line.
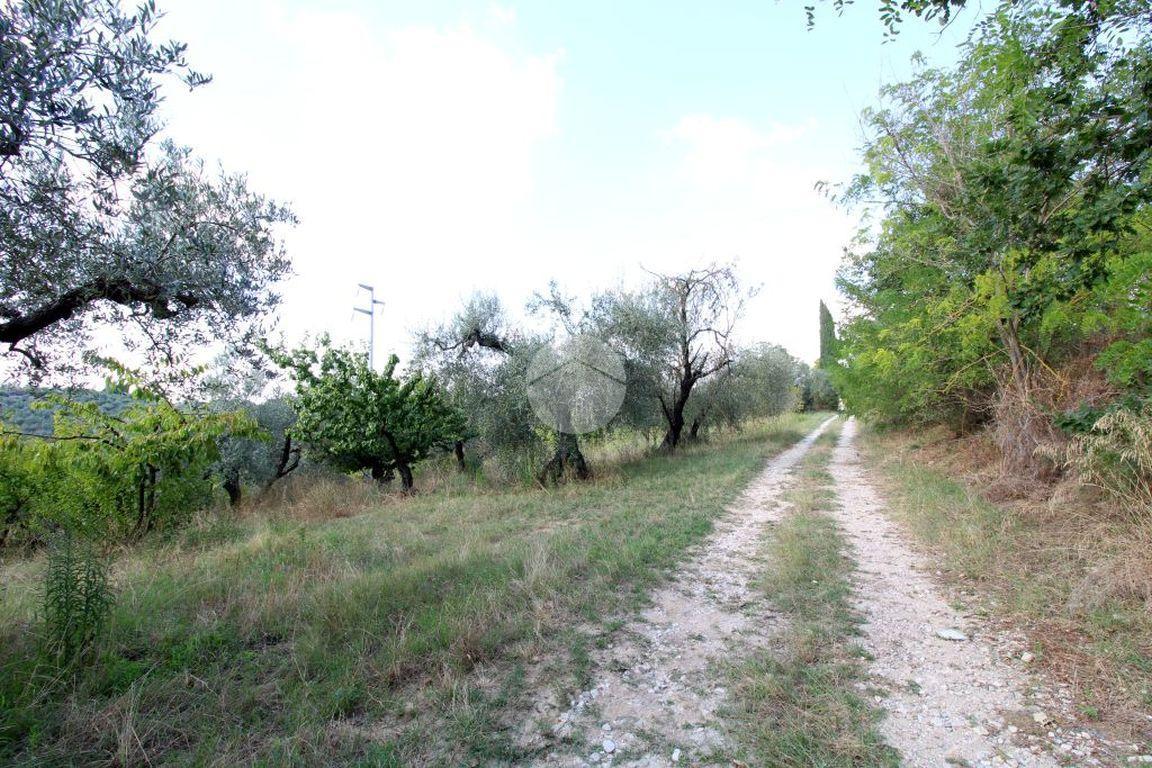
<point x="948" y="702"/>
<point x="656" y="690"/>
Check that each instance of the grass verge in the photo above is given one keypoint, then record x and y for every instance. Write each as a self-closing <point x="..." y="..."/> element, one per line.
<point x="799" y="703"/>
<point x="1051" y="560"/>
<point x="396" y="637"/>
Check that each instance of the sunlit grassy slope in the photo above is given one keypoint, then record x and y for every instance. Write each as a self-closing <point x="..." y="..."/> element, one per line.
<point x="399" y="636"/>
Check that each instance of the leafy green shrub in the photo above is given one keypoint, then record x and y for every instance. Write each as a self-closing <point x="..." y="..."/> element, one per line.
<point x="127" y="475"/>
<point x="1122" y="311"/>
<point x="359" y="418"/>
<point x="1014" y="239"/>
<point x="104" y="475"/>
<point x="21" y="482"/>
<point x="77" y="597"/>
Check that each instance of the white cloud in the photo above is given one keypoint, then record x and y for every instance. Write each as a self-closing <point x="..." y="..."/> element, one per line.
<point x="412" y="156"/>
<point x="409" y="154"/>
<point x="746" y="192"/>
<point x="502" y="15"/>
<point x="444" y="126"/>
<point x="722" y="150"/>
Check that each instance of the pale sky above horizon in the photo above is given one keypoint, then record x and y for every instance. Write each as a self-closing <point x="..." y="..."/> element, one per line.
<point x="437" y="148"/>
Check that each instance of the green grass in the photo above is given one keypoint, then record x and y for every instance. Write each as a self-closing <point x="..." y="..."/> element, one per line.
<point x="798" y="704"/>
<point x="397" y="636"/>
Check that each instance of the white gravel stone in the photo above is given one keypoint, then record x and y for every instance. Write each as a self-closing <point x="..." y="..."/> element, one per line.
<point x="951" y="633"/>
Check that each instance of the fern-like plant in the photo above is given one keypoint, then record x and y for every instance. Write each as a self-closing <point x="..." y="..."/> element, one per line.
<point x="77" y="597"/>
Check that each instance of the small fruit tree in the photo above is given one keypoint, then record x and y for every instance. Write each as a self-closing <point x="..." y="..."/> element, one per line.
<point x="361" y="419"/>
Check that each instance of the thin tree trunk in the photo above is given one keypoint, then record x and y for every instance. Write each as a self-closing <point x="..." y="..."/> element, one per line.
<point x="1009" y="334"/>
<point x="287" y="463"/>
<point x="289" y="459"/>
<point x="405" y="472"/>
<point x="233" y="488"/>
<point x="140" y="495"/>
<point x="146" y="499"/>
<point x="152" y="472"/>
<point x="694" y="432"/>
<point x="458" y="449"/>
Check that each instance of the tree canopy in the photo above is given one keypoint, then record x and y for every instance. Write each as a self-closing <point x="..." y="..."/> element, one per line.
<point x="101" y="222"/>
<point x="827" y="337"/>
<point x="677" y="332"/>
<point x="362" y="419"/>
<point x="481" y="361"/>
<point x="1013" y="190"/>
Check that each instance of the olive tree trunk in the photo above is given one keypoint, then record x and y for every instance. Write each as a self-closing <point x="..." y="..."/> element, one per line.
<point x="566" y="459"/>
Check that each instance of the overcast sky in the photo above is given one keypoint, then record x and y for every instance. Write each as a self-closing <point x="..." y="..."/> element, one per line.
<point x="437" y="148"/>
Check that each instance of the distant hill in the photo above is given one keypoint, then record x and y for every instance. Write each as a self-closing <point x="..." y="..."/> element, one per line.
<point x="16" y="411"/>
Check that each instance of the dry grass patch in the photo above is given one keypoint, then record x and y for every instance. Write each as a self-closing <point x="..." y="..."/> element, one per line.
<point x="1055" y="559"/>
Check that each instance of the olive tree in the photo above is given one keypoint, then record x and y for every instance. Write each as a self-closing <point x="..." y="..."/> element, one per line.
<point x="572" y="327"/>
<point x="362" y="419"/>
<point x="265" y="457"/>
<point x="761" y="382"/>
<point x="817" y="393"/>
<point x="243" y="383"/>
<point x="482" y="360"/>
<point x="468" y="355"/>
<point x="100" y="221"/>
<point x="677" y="333"/>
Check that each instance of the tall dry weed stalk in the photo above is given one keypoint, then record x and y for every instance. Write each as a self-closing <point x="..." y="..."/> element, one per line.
<point x="1116" y="456"/>
<point x="1023" y="429"/>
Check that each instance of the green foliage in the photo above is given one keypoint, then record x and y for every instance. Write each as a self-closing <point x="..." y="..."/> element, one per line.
<point x="241" y="383"/>
<point x="892" y="13"/>
<point x="265" y="455"/>
<point x="759" y="384"/>
<point x="148" y="468"/>
<point x="100" y="221"/>
<point x="676" y="333"/>
<point x="102" y="475"/>
<point x="1014" y="190"/>
<point x="828" y="348"/>
<point x="77" y="597"/>
<point x="21" y="482"/>
<point x="1120" y="308"/>
<point x="361" y="419"/>
<point x="816" y="390"/>
<point x="482" y="366"/>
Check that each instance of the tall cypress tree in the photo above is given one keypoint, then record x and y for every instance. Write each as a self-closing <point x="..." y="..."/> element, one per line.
<point x="827" y="337"/>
